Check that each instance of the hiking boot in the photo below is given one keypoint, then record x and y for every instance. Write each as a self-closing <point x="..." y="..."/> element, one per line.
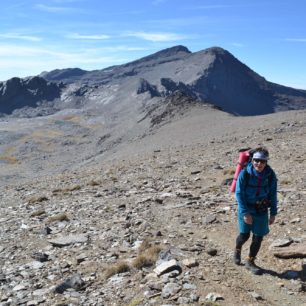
<point x="237" y="257"/>
<point x="250" y="265"/>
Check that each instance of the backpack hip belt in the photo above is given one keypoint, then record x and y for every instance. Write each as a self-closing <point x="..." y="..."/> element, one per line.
<point x="262" y="205"/>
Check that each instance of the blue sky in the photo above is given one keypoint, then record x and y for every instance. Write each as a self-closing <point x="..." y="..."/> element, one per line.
<point x="269" y="36"/>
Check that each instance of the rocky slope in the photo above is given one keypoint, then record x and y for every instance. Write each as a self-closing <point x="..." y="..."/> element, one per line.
<point x="103" y="234"/>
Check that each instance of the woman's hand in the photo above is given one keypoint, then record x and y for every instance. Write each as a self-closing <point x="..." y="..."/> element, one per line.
<point x="248" y="219"/>
<point x="271" y="220"/>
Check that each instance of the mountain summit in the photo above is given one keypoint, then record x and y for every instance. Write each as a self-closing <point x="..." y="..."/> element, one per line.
<point x="212" y="75"/>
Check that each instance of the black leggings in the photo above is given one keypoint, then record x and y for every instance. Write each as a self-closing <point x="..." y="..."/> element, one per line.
<point x="255" y="245"/>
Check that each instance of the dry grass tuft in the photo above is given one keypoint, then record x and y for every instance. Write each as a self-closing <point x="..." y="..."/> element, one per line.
<point x="59" y="217"/>
<point x="37" y="199"/>
<point x="94" y="183"/>
<point x="73" y="188"/>
<point x="285" y="182"/>
<point x="117" y="268"/>
<point x="143" y="260"/>
<point x="66" y="190"/>
<point x="37" y="213"/>
<point x="148" y="255"/>
<point x="229" y="172"/>
<point x="146" y="244"/>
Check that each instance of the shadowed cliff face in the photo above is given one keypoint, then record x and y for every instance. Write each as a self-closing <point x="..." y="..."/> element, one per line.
<point x="212" y="75"/>
<point x="234" y="87"/>
<point x="17" y="93"/>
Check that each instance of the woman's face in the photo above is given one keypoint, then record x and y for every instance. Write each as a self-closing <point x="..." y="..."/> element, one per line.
<point x="259" y="164"/>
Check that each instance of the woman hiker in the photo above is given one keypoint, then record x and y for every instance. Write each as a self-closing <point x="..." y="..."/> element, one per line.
<point x="256" y="194"/>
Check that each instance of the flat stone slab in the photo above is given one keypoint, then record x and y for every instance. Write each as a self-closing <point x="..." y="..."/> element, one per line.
<point x="293" y="251"/>
<point x="166" y="266"/>
<point x="68" y="240"/>
<point x="281" y="243"/>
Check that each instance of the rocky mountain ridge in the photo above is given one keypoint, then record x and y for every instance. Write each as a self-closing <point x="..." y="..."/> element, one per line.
<point x="33" y="92"/>
<point x="212" y="75"/>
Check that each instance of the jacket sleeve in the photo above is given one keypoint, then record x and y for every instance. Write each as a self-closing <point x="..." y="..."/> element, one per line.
<point x="240" y="193"/>
<point x="273" y="195"/>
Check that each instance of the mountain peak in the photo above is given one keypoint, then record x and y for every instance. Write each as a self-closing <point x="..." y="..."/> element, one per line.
<point x="171" y="52"/>
<point x="217" y="51"/>
<point x="61" y="74"/>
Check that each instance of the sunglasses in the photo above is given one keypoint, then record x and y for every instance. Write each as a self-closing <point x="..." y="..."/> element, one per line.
<point x="257" y="161"/>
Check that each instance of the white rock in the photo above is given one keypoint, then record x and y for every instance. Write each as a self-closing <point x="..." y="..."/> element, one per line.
<point x="19" y="287"/>
<point x="67" y="240"/>
<point x="166" y="266"/>
<point x="213" y="297"/>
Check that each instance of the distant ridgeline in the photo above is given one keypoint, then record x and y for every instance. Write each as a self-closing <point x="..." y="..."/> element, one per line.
<point x="212" y="75"/>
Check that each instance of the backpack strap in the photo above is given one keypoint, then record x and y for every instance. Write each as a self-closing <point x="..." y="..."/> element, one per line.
<point x="247" y="178"/>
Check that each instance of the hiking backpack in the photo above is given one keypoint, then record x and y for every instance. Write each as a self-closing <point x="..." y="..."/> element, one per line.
<point x="245" y="156"/>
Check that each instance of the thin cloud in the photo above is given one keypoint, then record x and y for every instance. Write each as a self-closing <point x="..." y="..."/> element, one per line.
<point x="55" y="9"/>
<point x="224" y="6"/>
<point x="121" y="48"/>
<point x="157" y="37"/>
<point x="9" y="50"/>
<point x="87" y="37"/>
<point x="16" y="51"/>
<point x="184" y="22"/>
<point x="11" y="54"/>
<point x="20" y="37"/>
<point x="296" y="39"/>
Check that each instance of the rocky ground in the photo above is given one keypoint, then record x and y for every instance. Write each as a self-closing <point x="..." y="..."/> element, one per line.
<point x="156" y="226"/>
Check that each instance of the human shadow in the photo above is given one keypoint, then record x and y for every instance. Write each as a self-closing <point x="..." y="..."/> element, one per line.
<point x="288" y="274"/>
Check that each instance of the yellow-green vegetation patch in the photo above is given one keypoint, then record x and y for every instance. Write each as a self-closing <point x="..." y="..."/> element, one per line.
<point x="135" y="302"/>
<point x="9" y="159"/>
<point x="41" y="134"/>
<point x="42" y="138"/>
<point x="72" y="118"/>
<point x="8" y="156"/>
